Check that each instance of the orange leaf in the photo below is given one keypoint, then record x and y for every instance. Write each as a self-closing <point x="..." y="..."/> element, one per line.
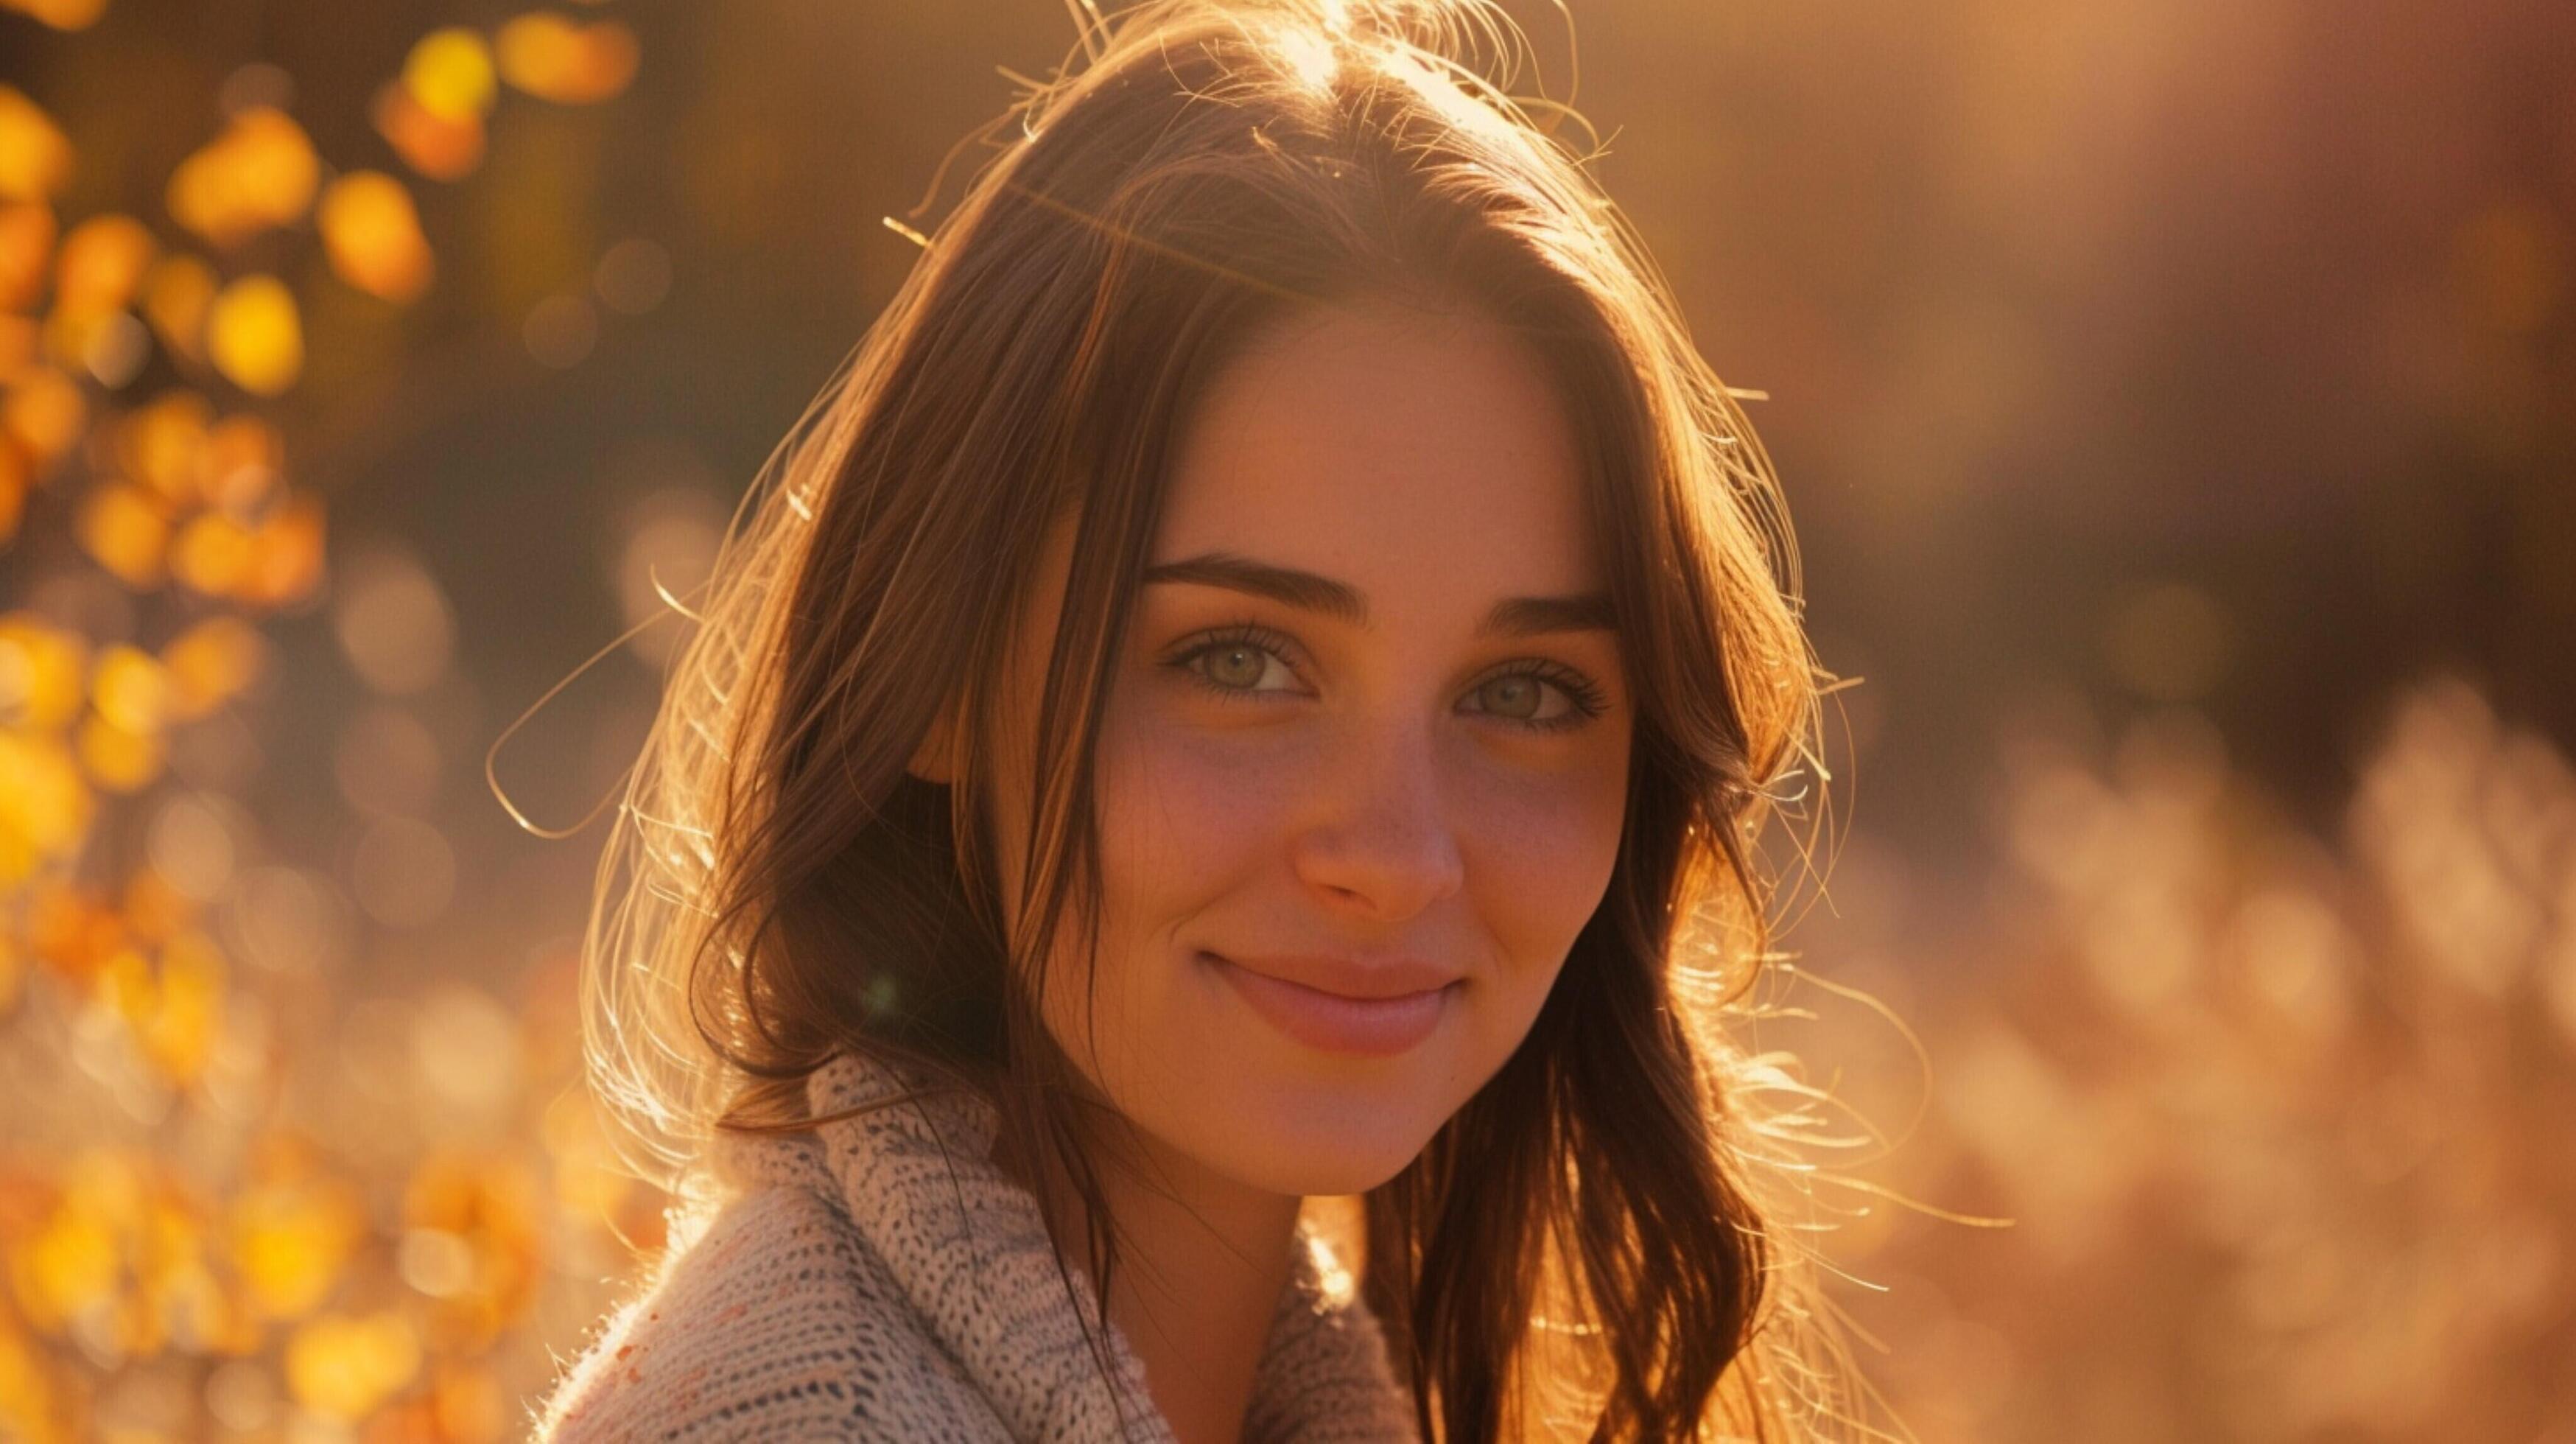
<point x="259" y="173"/>
<point x="117" y="760"/>
<point x="19" y="343"/>
<point x="256" y="336"/>
<point x="555" y="59"/>
<point x="26" y="244"/>
<point x="44" y="413"/>
<point x="212" y="554"/>
<point x="288" y="562"/>
<point x="131" y="689"/>
<point x="45" y="811"/>
<point x="449" y="74"/>
<point x="35" y="156"/>
<point x="439" y="147"/>
<point x="291" y="1234"/>
<point x="212" y="662"/>
<point x="155" y="911"/>
<point x="60" y="14"/>
<point x="44" y="674"/>
<point x="372" y="233"/>
<point x="245" y="457"/>
<point x="177" y="1032"/>
<point x="177" y="293"/>
<point x="344" y="1367"/>
<point x="163" y="445"/>
<point x="73" y="931"/>
<point x="124" y="530"/>
<point x="100" y="264"/>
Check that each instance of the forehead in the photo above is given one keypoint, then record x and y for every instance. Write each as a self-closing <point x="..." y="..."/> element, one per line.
<point x="1396" y="449"/>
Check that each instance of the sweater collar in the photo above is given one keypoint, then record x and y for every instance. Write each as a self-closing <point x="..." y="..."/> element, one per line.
<point x="970" y="1248"/>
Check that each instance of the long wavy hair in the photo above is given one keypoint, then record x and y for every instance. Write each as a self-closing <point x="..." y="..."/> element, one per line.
<point x="1582" y="1245"/>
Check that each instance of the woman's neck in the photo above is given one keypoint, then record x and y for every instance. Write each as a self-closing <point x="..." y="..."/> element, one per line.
<point x="1202" y="1261"/>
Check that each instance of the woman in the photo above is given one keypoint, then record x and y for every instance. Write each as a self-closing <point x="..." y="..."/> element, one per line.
<point x="1254" y="689"/>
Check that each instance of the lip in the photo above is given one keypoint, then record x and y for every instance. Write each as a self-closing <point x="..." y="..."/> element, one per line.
<point x="1369" y="1010"/>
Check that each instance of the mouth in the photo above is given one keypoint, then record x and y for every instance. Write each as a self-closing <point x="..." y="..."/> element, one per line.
<point x="1332" y="1022"/>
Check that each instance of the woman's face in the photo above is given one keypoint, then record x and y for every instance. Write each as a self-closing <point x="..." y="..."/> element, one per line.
<point x="1364" y="763"/>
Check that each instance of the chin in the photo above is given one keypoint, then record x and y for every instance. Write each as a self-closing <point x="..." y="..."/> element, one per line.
<point x="1310" y="1141"/>
<point x="1320" y="1174"/>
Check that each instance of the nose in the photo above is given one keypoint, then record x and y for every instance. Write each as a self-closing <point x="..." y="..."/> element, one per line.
<point x="1377" y="844"/>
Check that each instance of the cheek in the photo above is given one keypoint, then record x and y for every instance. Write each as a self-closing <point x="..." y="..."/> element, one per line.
<point x="1538" y="852"/>
<point x="1183" y="811"/>
<point x="1186" y="822"/>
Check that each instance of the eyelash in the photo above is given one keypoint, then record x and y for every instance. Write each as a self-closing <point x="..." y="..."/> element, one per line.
<point x="1585" y="695"/>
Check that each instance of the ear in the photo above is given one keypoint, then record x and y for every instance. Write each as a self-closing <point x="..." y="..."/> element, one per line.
<point x="936" y="759"/>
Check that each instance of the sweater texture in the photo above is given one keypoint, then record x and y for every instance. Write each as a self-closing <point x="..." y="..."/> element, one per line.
<point x="880" y="1277"/>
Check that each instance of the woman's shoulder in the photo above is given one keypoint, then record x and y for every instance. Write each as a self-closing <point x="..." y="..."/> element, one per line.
<point x="777" y="1322"/>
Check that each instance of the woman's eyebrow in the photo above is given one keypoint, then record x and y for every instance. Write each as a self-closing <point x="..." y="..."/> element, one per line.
<point x="1306" y="591"/>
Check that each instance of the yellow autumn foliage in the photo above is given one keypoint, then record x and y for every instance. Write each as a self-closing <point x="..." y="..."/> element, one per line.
<point x="44" y="413"/>
<point x="59" y="14"/>
<point x="100" y="264"/>
<point x="117" y="760"/>
<point x="371" y="231"/>
<point x="130" y="688"/>
<point x="342" y="1367"/>
<point x="558" y="59"/>
<point x="125" y="531"/>
<point x="211" y="662"/>
<point x="44" y="673"/>
<point x="35" y="155"/>
<point x="162" y="444"/>
<point x="177" y="293"/>
<point x="291" y="1234"/>
<point x="440" y="147"/>
<point x="244" y="463"/>
<point x="26" y="246"/>
<point x="256" y="336"/>
<point x="449" y="73"/>
<point x="259" y="173"/>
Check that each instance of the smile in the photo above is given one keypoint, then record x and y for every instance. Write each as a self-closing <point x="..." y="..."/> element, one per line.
<point x="1376" y="1027"/>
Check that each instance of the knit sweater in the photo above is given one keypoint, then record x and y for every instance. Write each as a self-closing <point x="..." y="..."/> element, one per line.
<point x="879" y="1277"/>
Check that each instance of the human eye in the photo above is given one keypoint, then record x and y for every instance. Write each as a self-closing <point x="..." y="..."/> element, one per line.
<point x="1538" y="696"/>
<point x="1238" y="661"/>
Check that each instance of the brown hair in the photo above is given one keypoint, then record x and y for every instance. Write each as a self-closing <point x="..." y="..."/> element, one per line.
<point x="781" y="890"/>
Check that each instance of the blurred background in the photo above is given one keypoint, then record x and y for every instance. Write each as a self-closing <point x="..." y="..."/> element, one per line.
<point x="2177" y="404"/>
